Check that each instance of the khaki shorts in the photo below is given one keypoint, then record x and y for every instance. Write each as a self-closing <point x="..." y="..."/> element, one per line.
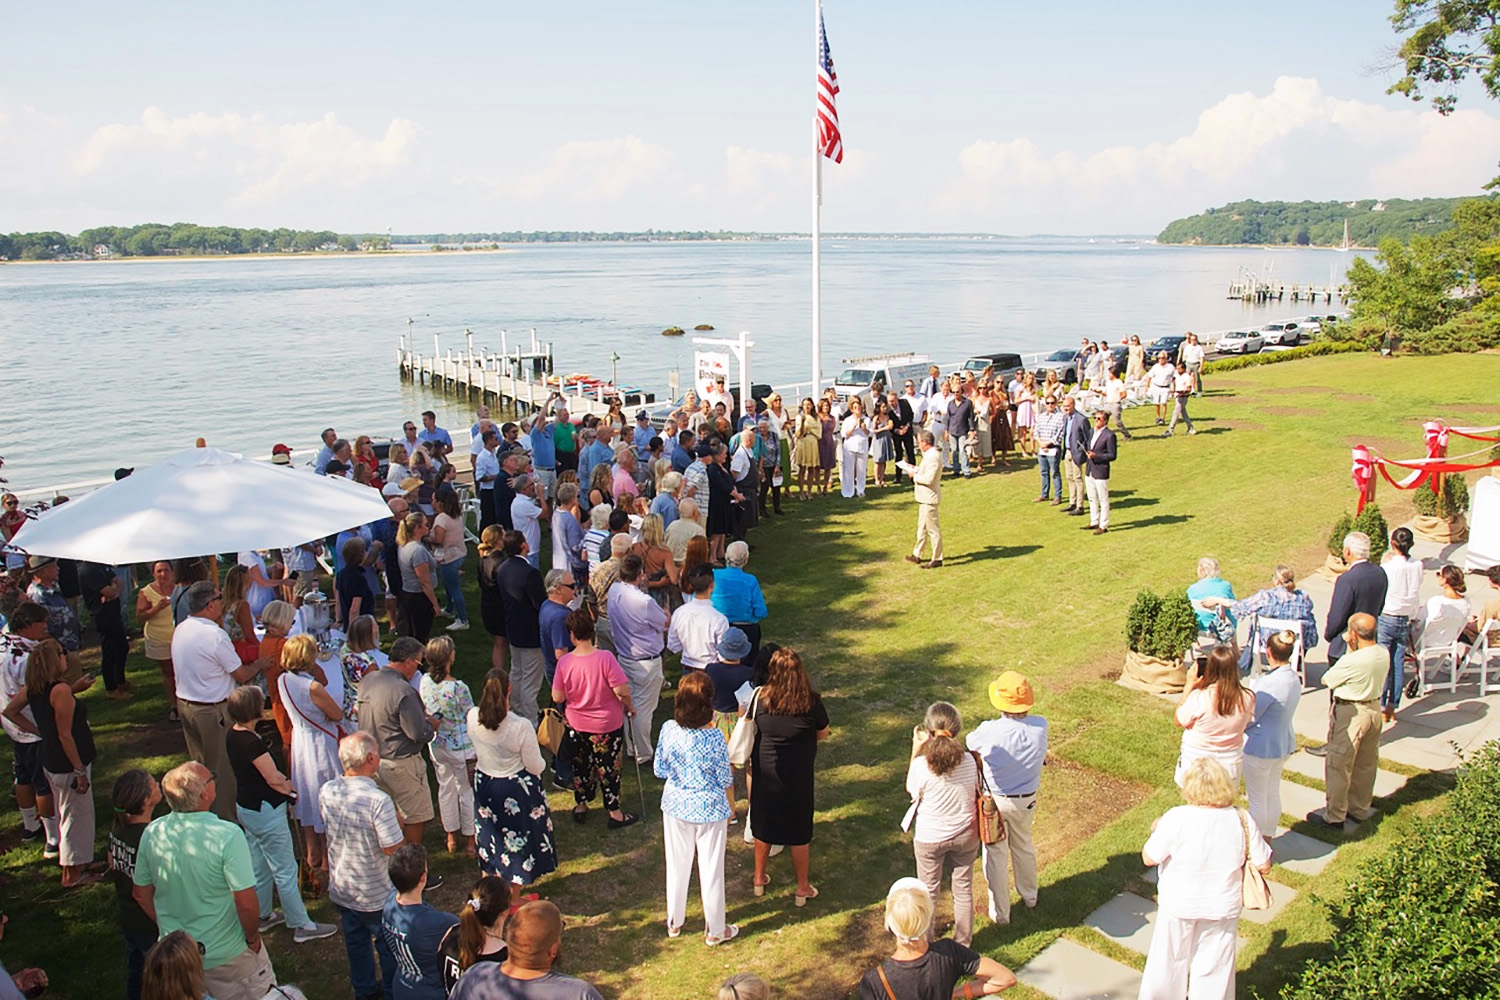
<point x="404" y="779"/>
<point x="158" y="650"/>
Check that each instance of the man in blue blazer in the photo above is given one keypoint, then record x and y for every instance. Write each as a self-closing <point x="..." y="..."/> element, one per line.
<point x="1360" y="589"/>
<point x="1100" y="453"/>
<point x="1076" y="434"/>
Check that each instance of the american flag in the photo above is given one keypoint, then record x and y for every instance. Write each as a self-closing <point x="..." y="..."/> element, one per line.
<point x="830" y="143"/>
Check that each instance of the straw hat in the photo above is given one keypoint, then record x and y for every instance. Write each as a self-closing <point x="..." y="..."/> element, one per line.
<point x="1010" y="692"/>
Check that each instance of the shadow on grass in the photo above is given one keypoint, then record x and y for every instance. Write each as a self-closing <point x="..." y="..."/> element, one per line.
<point x="1060" y="905"/>
<point x="991" y="552"/>
<point x="1133" y="502"/>
<point x="1153" y="522"/>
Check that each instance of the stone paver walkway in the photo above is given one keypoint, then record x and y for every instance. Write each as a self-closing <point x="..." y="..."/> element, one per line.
<point x="1422" y="736"/>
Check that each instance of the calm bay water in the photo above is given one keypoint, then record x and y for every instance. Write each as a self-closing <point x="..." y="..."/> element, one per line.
<point x="111" y="364"/>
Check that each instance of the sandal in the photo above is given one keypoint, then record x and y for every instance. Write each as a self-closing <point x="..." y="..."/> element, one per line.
<point x="730" y="933"/>
<point x="802" y="900"/>
<point x="673" y="932"/>
<point x="760" y="887"/>
<point x="626" y="819"/>
<point x="580" y="814"/>
<point x="84" y="881"/>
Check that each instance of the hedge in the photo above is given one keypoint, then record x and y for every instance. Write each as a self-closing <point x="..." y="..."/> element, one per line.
<point x="1423" y="919"/>
<point x="1290" y="354"/>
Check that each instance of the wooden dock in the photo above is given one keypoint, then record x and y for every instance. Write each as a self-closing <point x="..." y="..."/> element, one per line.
<point x="1257" y="291"/>
<point x="518" y="378"/>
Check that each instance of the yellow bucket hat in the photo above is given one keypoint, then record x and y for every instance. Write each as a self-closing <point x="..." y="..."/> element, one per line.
<point x="1010" y="692"/>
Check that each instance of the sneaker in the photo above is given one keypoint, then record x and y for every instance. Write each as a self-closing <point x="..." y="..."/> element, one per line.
<point x="434" y="880"/>
<point x="276" y="919"/>
<point x="316" y="932"/>
<point x="50" y="851"/>
<point x="459" y="626"/>
<point x="38" y="834"/>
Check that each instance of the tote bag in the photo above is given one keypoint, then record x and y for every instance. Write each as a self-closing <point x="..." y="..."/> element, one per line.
<point x="1256" y="890"/>
<point x="742" y="740"/>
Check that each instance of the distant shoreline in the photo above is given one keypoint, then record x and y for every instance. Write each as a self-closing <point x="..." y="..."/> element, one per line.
<point x="302" y="254"/>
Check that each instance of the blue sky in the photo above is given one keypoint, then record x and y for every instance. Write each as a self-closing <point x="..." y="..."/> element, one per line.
<point x="957" y="116"/>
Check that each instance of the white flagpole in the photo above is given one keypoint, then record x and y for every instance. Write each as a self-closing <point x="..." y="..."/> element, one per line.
<point x="817" y="211"/>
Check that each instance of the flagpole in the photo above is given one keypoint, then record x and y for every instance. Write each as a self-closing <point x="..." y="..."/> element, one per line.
<point x="817" y="212"/>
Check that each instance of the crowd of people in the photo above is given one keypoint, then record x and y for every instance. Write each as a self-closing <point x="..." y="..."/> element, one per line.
<point x="312" y="774"/>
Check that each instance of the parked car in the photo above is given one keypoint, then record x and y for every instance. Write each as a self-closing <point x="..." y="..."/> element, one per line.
<point x="1064" y="362"/>
<point x="1169" y="344"/>
<point x="1288" y="334"/>
<point x="1240" y="342"/>
<point x="1311" y="326"/>
<point x="1004" y="365"/>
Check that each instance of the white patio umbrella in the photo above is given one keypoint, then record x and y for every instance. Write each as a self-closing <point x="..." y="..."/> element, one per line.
<point x="199" y="502"/>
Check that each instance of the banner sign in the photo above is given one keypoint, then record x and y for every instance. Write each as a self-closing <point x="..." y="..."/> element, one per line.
<point x="707" y="367"/>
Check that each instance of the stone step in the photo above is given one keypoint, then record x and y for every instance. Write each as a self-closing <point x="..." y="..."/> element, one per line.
<point x="1299" y="800"/>
<point x="1304" y="763"/>
<point x="1301" y="854"/>
<point x="1280" y="896"/>
<point x="1129" y="921"/>
<point x="1066" y="970"/>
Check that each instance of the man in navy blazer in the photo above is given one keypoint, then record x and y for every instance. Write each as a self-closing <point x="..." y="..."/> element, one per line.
<point x="1076" y="434"/>
<point x="1100" y="453"/>
<point x="1360" y="590"/>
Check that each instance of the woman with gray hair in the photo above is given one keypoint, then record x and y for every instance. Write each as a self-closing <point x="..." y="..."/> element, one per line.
<point x="923" y="969"/>
<point x="942" y="780"/>
<point x="1212" y="619"/>
<point x="1200" y="849"/>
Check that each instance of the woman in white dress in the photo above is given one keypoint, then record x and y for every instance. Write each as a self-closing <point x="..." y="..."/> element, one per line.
<point x="316" y="732"/>
<point x="855" y="435"/>
<point x="985" y="439"/>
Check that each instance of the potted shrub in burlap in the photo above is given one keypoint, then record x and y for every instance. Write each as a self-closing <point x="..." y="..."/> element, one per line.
<point x="1159" y="635"/>
<point x="1440" y="516"/>
<point x="1372" y="522"/>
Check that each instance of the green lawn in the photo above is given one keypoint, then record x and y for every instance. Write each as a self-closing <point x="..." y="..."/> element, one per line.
<point x="1022" y="588"/>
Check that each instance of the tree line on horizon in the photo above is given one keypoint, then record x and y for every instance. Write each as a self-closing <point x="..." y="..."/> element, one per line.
<point x="154" y="239"/>
<point x="1313" y="223"/>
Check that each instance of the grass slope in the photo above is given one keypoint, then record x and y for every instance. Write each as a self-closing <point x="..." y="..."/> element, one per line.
<point x="1022" y="588"/>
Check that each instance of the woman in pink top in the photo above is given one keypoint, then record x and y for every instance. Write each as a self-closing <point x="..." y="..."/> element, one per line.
<point x="1214" y="713"/>
<point x="595" y="696"/>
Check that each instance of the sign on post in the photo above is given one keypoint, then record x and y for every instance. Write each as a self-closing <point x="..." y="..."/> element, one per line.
<point x="709" y="366"/>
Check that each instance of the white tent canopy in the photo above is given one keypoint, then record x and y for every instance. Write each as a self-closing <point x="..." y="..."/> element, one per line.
<point x="1484" y="525"/>
<point x="200" y="502"/>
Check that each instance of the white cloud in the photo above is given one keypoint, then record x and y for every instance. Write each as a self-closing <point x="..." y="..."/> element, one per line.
<point x="593" y="170"/>
<point x="1294" y="142"/>
<point x="258" y="161"/>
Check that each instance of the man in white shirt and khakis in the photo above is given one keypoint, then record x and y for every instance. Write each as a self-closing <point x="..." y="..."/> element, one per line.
<point x="927" y="484"/>
<point x="207" y="669"/>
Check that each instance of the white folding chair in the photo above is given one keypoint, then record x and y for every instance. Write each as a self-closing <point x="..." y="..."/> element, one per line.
<point x="1438" y="648"/>
<point x="1258" y="627"/>
<point x="1482" y="654"/>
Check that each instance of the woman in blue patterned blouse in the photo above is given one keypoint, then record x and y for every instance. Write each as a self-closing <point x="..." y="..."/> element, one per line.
<point x="693" y="757"/>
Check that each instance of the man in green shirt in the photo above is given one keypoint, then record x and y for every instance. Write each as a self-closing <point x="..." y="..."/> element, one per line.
<point x="565" y="440"/>
<point x="1354" y="684"/>
<point x="193" y="874"/>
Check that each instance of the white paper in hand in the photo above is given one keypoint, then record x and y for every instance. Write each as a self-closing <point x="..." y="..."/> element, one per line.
<point x="743" y="695"/>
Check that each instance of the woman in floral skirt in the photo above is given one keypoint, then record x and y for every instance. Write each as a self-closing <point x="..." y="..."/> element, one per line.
<point x="514" y="824"/>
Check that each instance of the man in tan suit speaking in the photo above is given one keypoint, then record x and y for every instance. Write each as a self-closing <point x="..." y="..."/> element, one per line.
<point x="928" y="479"/>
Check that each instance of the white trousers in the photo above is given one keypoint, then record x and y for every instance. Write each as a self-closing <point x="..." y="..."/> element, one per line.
<point x="1190" y="958"/>
<point x="527" y="673"/>
<point x="682" y="840"/>
<point x="645" y="679"/>
<point x="75" y="818"/>
<point x="455" y="793"/>
<point x="1016" y="851"/>
<point x="1263" y="789"/>
<point x="852" y="475"/>
<point x="1232" y="760"/>
<point x="1098" y="491"/>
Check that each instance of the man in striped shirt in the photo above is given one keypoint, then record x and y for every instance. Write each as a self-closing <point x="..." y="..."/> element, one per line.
<point x="362" y="830"/>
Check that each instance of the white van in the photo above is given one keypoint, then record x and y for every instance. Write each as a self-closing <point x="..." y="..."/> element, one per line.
<point x="890" y="370"/>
